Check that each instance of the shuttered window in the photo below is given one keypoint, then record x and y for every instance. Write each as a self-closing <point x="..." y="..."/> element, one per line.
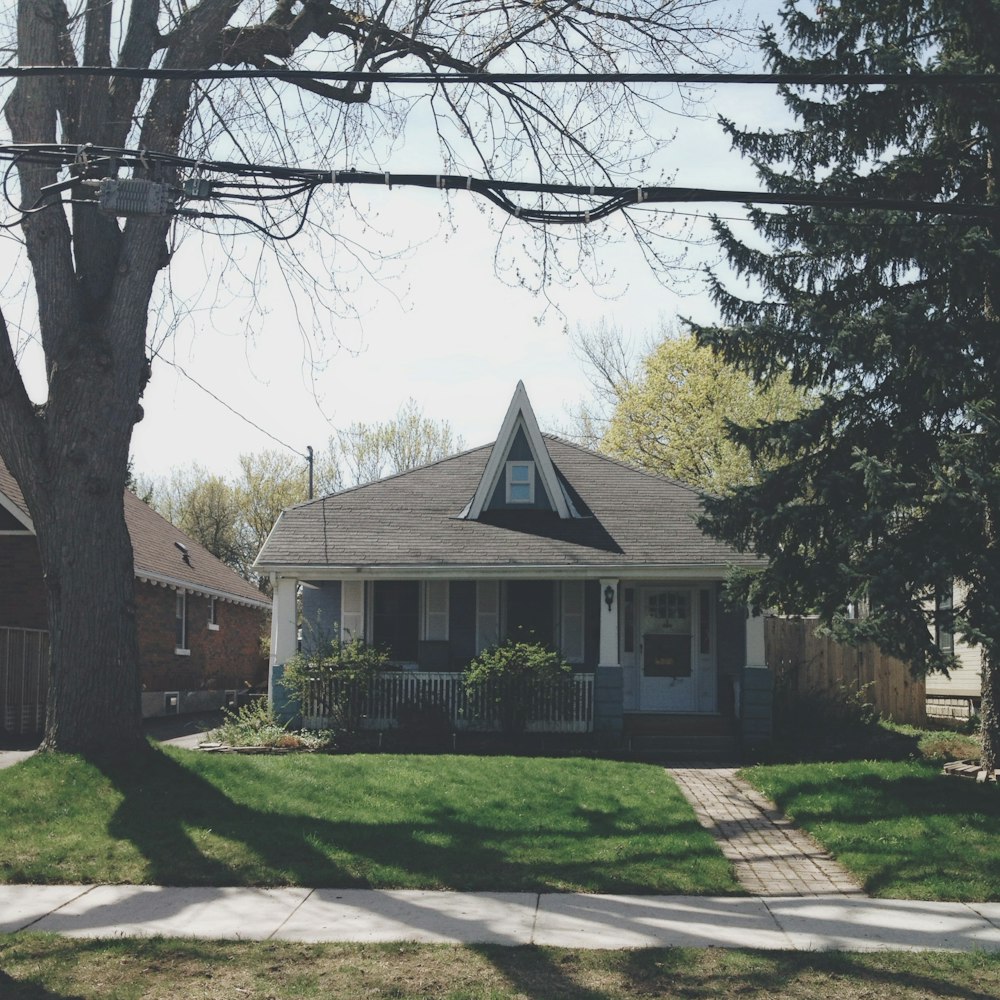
<point x="487" y="613"/>
<point x="352" y="610"/>
<point x="571" y="625"/>
<point x="436" y="610"/>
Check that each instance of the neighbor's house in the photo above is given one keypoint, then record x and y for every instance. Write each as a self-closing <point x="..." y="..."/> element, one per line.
<point x="199" y="623"/>
<point x="958" y="695"/>
<point x="529" y="533"/>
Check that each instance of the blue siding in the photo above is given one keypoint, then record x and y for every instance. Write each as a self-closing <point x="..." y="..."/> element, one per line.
<point x="609" y="700"/>
<point x="520" y="451"/>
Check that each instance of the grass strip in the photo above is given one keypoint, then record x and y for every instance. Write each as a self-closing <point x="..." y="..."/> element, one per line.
<point x="906" y="830"/>
<point x="175" y="817"/>
<point x="41" y="967"/>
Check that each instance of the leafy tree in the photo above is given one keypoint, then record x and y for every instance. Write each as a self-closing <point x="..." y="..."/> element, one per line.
<point x="366" y="452"/>
<point x="889" y="487"/>
<point x="95" y="275"/>
<point x="671" y="415"/>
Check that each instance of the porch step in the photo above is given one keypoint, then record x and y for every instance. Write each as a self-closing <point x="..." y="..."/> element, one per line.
<point x="687" y="738"/>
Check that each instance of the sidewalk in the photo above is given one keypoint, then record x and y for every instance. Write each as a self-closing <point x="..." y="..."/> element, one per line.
<point x="570" y="920"/>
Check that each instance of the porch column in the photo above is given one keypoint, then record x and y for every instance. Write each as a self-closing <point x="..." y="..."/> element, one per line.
<point x="609" y="698"/>
<point x="284" y="642"/>
<point x="609" y="624"/>
<point x="757" y="694"/>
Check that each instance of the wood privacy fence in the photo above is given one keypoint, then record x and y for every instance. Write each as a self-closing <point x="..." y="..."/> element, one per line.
<point x="549" y="707"/>
<point x="24" y="679"/>
<point x="809" y="665"/>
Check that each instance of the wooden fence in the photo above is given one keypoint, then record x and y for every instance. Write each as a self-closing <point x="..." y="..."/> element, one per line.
<point x="557" y="707"/>
<point x="24" y="679"/>
<point x="806" y="664"/>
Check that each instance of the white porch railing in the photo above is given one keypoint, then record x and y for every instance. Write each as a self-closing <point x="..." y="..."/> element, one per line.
<point x="24" y="679"/>
<point x="557" y="707"/>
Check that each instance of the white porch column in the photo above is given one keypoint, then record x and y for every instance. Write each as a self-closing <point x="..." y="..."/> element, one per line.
<point x="284" y="619"/>
<point x="756" y="657"/>
<point x="609" y="625"/>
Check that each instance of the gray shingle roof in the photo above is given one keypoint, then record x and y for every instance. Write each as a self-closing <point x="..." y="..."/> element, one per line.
<point x="411" y="521"/>
<point x="156" y="556"/>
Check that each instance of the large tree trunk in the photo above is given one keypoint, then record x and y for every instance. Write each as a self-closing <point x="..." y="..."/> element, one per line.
<point x="86" y="555"/>
<point x="990" y="712"/>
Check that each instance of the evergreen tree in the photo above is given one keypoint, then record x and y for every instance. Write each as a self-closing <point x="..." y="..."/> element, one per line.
<point x="890" y="487"/>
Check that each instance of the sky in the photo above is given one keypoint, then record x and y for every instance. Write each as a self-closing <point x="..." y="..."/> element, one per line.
<point x="440" y="326"/>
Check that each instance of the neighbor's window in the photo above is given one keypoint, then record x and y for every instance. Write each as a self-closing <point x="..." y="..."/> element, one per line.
<point x="180" y="624"/>
<point x="213" y="621"/>
<point x="520" y="482"/>
<point x="944" y="637"/>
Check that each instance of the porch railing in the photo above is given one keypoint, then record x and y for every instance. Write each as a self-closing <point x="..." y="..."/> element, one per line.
<point x="24" y="679"/>
<point x="558" y="707"/>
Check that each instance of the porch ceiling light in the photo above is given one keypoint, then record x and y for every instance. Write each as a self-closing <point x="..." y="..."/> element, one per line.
<point x="609" y="596"/>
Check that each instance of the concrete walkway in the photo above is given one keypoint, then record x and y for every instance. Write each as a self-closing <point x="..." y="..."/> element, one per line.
<point x="770" y="856"/>
<point x="568" y="920"/>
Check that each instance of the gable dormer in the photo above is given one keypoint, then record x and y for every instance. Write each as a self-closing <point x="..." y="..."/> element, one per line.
<point x="519" y="473"/>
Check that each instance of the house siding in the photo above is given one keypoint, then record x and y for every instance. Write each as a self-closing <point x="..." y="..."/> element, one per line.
<point x="22" y="590"/>
<point x="520" y="451"/>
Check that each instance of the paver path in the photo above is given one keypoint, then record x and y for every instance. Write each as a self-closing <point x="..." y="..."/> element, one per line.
<point x="770" y="855"/>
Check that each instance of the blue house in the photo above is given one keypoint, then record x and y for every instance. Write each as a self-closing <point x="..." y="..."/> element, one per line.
<point x="602" y="561"/>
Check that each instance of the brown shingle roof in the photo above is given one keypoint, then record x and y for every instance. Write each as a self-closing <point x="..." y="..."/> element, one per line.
<point x="411" y="521"/>
<point x="157" y="558"/>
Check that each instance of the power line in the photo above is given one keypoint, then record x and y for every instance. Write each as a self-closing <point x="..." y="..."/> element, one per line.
<point x="235" y="412"/>
<point x="95" y="166"/>
<point x="471" y="77"/>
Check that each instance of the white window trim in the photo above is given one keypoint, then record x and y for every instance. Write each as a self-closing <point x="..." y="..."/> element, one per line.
<point x="181" y="599"/>
<point x="213" y="625"/>
<point x="530" y="465"/>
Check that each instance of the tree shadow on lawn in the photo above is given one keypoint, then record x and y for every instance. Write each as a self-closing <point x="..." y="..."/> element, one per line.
<point x="922" y="828"/>
<point x="17" y="989"/>
<point x="166" y="806"/>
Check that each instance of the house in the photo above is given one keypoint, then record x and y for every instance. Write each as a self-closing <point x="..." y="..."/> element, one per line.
<point x="958" y="695"/>
<point x="533" y="533"/>
<point x="199" y="623"/>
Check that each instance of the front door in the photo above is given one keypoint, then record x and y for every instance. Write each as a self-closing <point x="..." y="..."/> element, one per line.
<point x="667" y="661"/>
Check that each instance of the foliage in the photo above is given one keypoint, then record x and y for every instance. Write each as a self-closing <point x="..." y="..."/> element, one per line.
<point x="178" y="817"/>
<point x="671" y="416"/>
<point x="255" y="725"/>
<point x="510" y="671"/>
<point x="335" y="678"/>
<point x="888" y="488"/>
<point x="365" y="452"/>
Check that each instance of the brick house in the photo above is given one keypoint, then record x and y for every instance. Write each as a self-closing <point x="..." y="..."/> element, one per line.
<point x="200" y="624"/>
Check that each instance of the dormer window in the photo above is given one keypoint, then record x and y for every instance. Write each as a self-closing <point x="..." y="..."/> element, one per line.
<point x="520" y="482"/>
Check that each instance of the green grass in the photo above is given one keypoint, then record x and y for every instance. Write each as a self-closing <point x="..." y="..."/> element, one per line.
<point x="489" y="823"/>
<point x="904" y="828"/>
<point x="37" y="967"/>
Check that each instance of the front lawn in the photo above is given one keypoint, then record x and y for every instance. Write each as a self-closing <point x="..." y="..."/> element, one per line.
<point x="177" y="817"/>
<point x="33" y="967"/>
<point x="904" y="828"/>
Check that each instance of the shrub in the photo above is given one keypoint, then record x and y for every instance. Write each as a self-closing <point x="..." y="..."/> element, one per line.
<point x="507" y="675"/>
<point x="254" y="725"/>
<point x="334" y="681"/>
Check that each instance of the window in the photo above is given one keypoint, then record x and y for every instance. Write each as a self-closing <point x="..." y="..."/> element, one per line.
<point x="530" y="611"/>
<point x="180" y="624"/>
<point x="943" y="634"/>
<point x="436" y="610"/>
<point x="520" y="482"/>
<point x="396" y="618"/>
<point x="213" y="620"/>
